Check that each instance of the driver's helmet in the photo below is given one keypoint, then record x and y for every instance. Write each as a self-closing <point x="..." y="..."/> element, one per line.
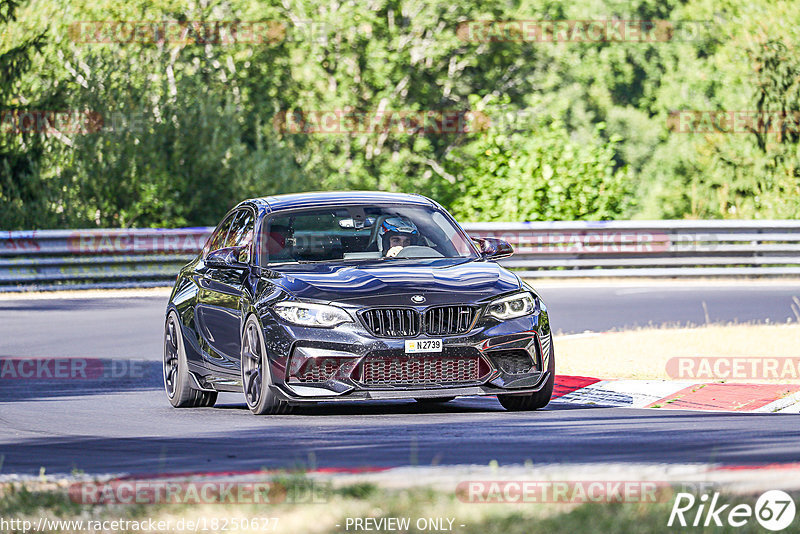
<point x="395" y="226"/>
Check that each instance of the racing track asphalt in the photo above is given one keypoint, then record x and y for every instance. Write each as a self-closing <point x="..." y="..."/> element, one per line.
<point x="126" y="426"/>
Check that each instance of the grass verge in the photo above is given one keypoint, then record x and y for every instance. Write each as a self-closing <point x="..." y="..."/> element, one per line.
<point x="334" y="506"/>
<point x="644" y="353"/>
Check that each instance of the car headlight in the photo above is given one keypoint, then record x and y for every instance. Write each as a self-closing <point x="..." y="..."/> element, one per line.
<point x="512" y="307"/>
<point x="307" y="314"/>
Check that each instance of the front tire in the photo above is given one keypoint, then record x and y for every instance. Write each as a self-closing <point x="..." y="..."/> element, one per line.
<point x="256" y="378"/>
<point x="177" y="382"/>
<point x="534" y="401"/>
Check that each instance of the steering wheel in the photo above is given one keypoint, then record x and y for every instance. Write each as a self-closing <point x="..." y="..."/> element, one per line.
<point x="416" y="251"/>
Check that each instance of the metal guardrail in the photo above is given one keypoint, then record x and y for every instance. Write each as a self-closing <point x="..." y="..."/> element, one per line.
<point x="650" y="248"/>
<point x="82" y="259"/>
<point x="75" y="259"/>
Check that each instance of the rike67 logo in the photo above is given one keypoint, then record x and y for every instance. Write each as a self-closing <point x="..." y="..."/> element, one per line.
<point x="774" y="510"/>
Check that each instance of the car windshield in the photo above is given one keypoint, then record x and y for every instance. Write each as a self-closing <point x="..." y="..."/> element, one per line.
<point x="361" y="233"/>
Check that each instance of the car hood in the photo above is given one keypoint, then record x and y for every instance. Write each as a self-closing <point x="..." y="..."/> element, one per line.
<point x="440" y="281"/>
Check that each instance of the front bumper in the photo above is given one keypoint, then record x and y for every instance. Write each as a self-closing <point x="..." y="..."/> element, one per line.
<point x="315" y="365"/>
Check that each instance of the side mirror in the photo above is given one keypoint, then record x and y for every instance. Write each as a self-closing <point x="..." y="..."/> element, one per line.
<point x="231" y="257"/>
<point x="492" y="248"/>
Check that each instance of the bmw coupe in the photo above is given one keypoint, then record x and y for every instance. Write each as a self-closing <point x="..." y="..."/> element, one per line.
<point x="318" y="297"/>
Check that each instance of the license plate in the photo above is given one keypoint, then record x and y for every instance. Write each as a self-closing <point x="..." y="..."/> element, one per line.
<point x="414" y="346"/>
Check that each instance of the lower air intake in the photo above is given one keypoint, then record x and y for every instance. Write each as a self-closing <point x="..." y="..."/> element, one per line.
<point x="513" y="362"/>
<point x="409" y="371"/>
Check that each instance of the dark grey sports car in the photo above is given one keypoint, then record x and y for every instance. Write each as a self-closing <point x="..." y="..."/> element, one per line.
<point x="351" y="296"/>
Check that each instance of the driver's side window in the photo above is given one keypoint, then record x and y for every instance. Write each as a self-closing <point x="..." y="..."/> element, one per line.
<point x="235" y="231"/>
<point x="217" y="239"/>
<point x="241" y="234"/>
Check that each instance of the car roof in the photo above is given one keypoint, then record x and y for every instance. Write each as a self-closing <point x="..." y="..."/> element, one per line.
<point x="333" y="198"/>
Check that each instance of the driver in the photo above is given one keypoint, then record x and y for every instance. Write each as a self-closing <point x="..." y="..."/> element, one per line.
<point x="395" y="234"/>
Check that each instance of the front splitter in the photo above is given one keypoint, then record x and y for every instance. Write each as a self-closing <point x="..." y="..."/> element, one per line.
<point x="427" y="393"/>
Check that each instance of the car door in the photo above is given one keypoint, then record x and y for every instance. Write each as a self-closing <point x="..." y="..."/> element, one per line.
<point x="221" y="289"/>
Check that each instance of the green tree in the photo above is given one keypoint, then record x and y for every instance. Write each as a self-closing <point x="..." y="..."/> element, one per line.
<point x="23" y="198"/>
<point x="538" y="175"/>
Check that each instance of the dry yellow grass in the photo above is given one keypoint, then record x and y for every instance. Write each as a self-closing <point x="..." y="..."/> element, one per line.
<point x="644" y="353"/>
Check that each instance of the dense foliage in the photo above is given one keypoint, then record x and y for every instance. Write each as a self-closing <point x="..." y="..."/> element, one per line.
<point x="176" y="131"/>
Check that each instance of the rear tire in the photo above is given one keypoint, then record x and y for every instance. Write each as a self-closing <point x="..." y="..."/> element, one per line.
<point x="256" y="378"/>
<point x="177" y="382"/>
<point x="534" y="401"/>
